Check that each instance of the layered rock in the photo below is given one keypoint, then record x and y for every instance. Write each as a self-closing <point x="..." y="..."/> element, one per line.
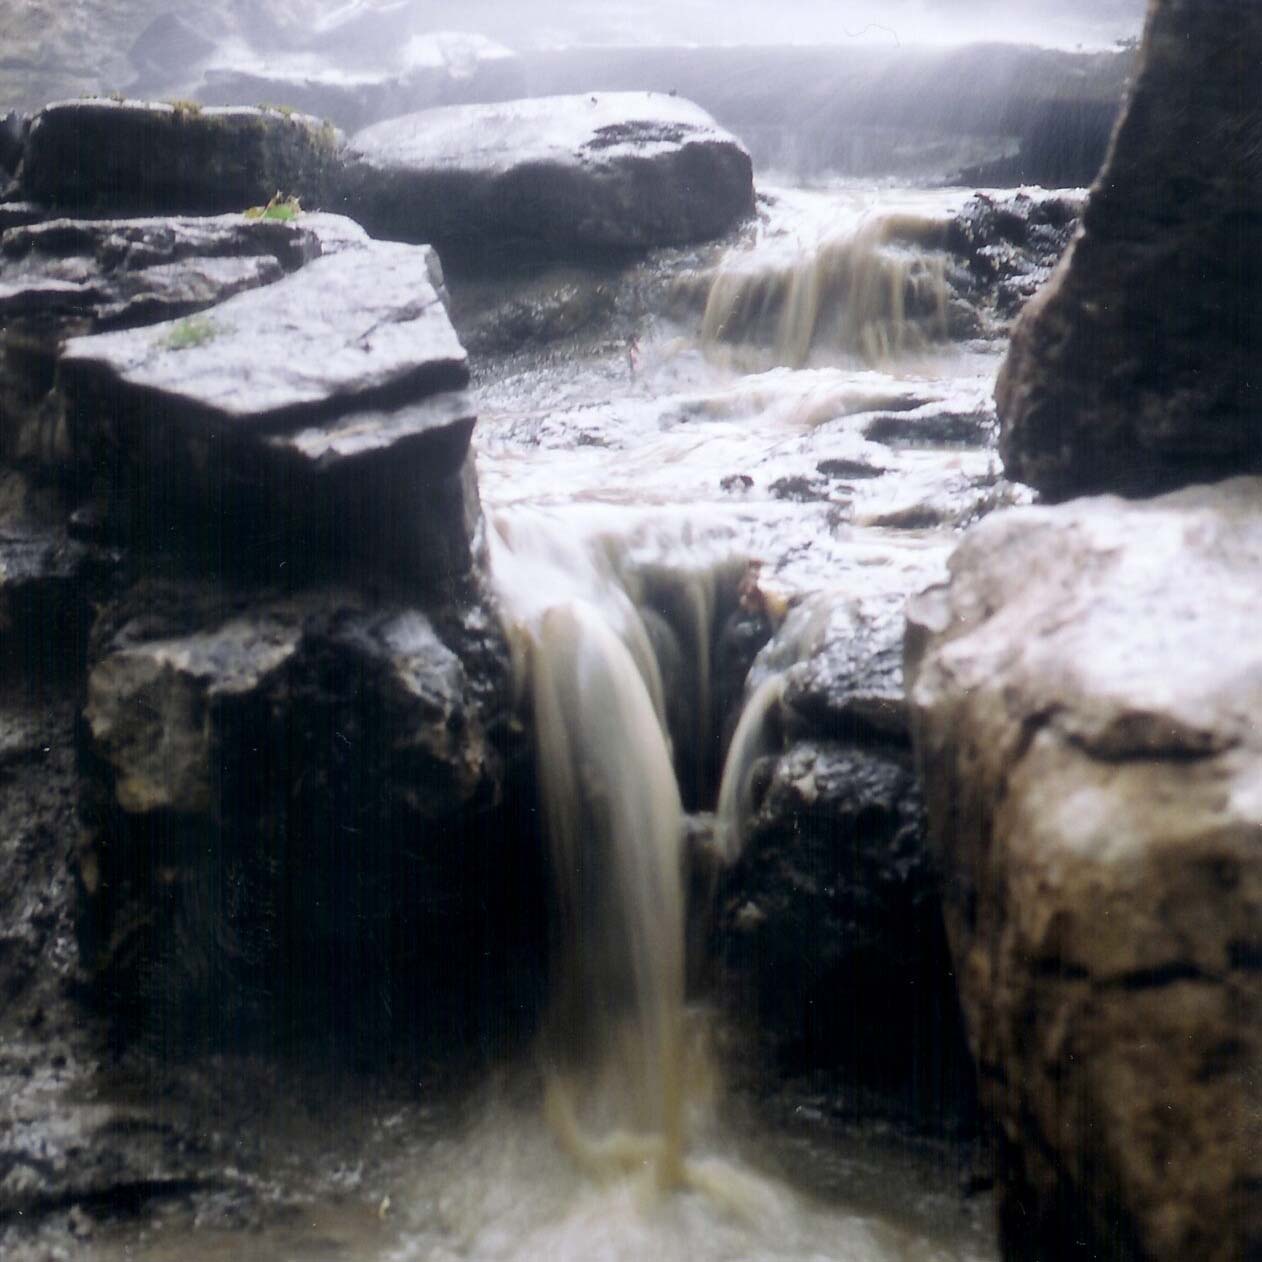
<point x="567" y="176"/>
<point x="1082" y="693"/>
<point x="1135" y="369"/>
<point x="305" y="422"/>
<point x="132" y="157"/>
<point x="288" y="792"/>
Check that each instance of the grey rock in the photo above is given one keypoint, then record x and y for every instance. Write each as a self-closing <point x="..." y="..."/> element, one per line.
<point x="303" y="760"/>
<point x="1134" y="369"/>
<point x="123" y="272"/>
<point x="353" y="328"/>
<point x="309" y="423"/>
<point x="132" y="157"/>
<point x="1081" y="696"/>
<point x="559" y="176"/>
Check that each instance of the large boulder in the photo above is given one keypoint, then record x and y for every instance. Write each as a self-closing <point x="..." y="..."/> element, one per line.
<point x="297" y="424"/>
<point x="97" y="157"/>
<point x="1083" y="693"/>
<point x="1134" y="370"/>
<point x="574" y="175"/>
<point x="287" y="797"/>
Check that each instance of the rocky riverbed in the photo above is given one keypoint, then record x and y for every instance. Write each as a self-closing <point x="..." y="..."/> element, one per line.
<point x="282" y="500"/>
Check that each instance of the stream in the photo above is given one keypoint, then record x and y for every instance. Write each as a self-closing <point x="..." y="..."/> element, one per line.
<point x="793" y="418"/>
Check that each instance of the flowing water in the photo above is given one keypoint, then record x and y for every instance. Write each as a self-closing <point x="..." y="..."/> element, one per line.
<point x="748" y="437"/>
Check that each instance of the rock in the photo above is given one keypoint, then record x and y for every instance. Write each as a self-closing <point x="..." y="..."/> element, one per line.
<point x="833" y="904"/>
<point x="132" y="157"/>
<point x="1133" y="370"/>
<point x="275" y="778"/>
<point x="304" y="423"/>
<point x="47" y="584"/>
<point x="1082" y="693"/>
<point x="125" y="272"/>
<point x="76" y="276"/>
<point x="560" y="176"/>
<point x="13" y="128"/>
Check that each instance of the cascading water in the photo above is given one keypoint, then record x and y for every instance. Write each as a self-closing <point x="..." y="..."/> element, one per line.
<point x="586" y="661"/>
<point x="873" y="289"/>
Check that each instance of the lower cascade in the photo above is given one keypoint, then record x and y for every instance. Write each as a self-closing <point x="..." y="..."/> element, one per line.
<point x="619" y="1070"/>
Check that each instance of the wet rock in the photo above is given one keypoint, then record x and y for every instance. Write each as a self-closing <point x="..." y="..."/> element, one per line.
<point x="846" y="470"/>
<point x="293" y="424"/>
<point x="277" y="778"/>
<point x="832" y="907"/>
<point x="1081" y="693"/>
<point x="130" y="157"/>
<point x="125" y="272"/>
<point x="47" y="583"/>
<point x="548" y="311"/>
<point x="932" y="427"/>
<point x="560" y="176"/>
<point x="1134" y="369"/>
<point x="13" y="128"/>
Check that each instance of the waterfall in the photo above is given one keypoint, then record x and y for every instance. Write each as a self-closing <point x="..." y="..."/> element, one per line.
<point x="873" y="291"/>
<point x="583" y="633"/>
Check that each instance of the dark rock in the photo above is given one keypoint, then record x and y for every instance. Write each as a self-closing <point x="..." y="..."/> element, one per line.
<point x="47" y="584"/>
<point x="1134" y="369"/>
<point x="128" y="157"/>
<point x="1081" y="693"/>
<point x="849" y="470"/>
<point x="13" y="129"/>
<point x="563" y="176"/>
<point x="931" y="428"/>
<point x="287" y="796"/>
<point x="20" y="215"/>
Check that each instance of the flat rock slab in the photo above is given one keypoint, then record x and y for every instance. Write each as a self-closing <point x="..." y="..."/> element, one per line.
<point x="558" y="175"/>
<point x="105" y="156"/>
<point x="296" y="426"/>
<point x="350" y="330"/>
<point x="1083" y="695"/>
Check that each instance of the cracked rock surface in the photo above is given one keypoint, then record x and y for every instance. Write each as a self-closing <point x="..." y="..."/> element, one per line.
<point x="1083" y="692"/>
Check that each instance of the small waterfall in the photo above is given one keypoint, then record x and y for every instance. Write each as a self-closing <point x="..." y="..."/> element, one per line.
<point x="874" y="292"/>
<point x="588" y="637"/>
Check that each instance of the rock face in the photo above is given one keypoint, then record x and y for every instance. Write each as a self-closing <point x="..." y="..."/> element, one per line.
<point x="832" y="907"/>
<point x="1082" y="693"/>
<point x="354" y="76"/>
<point x="558" y="176"/>
<point x="130" y="157"/>
<point x="315" y="415"/>
<point x="1135" y="369"/>
<point x="287" y="791"/>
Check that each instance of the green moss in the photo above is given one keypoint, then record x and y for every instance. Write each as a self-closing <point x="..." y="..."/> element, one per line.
<point x="185" y="109"/>
<point x="280" y="207"/>
<point x="193" y="331"/>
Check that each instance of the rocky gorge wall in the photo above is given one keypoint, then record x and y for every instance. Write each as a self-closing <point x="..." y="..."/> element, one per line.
<point x="1081" y="696"/>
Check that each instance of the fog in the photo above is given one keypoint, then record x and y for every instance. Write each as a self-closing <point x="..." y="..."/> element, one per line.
<point x="557" y="23"/>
